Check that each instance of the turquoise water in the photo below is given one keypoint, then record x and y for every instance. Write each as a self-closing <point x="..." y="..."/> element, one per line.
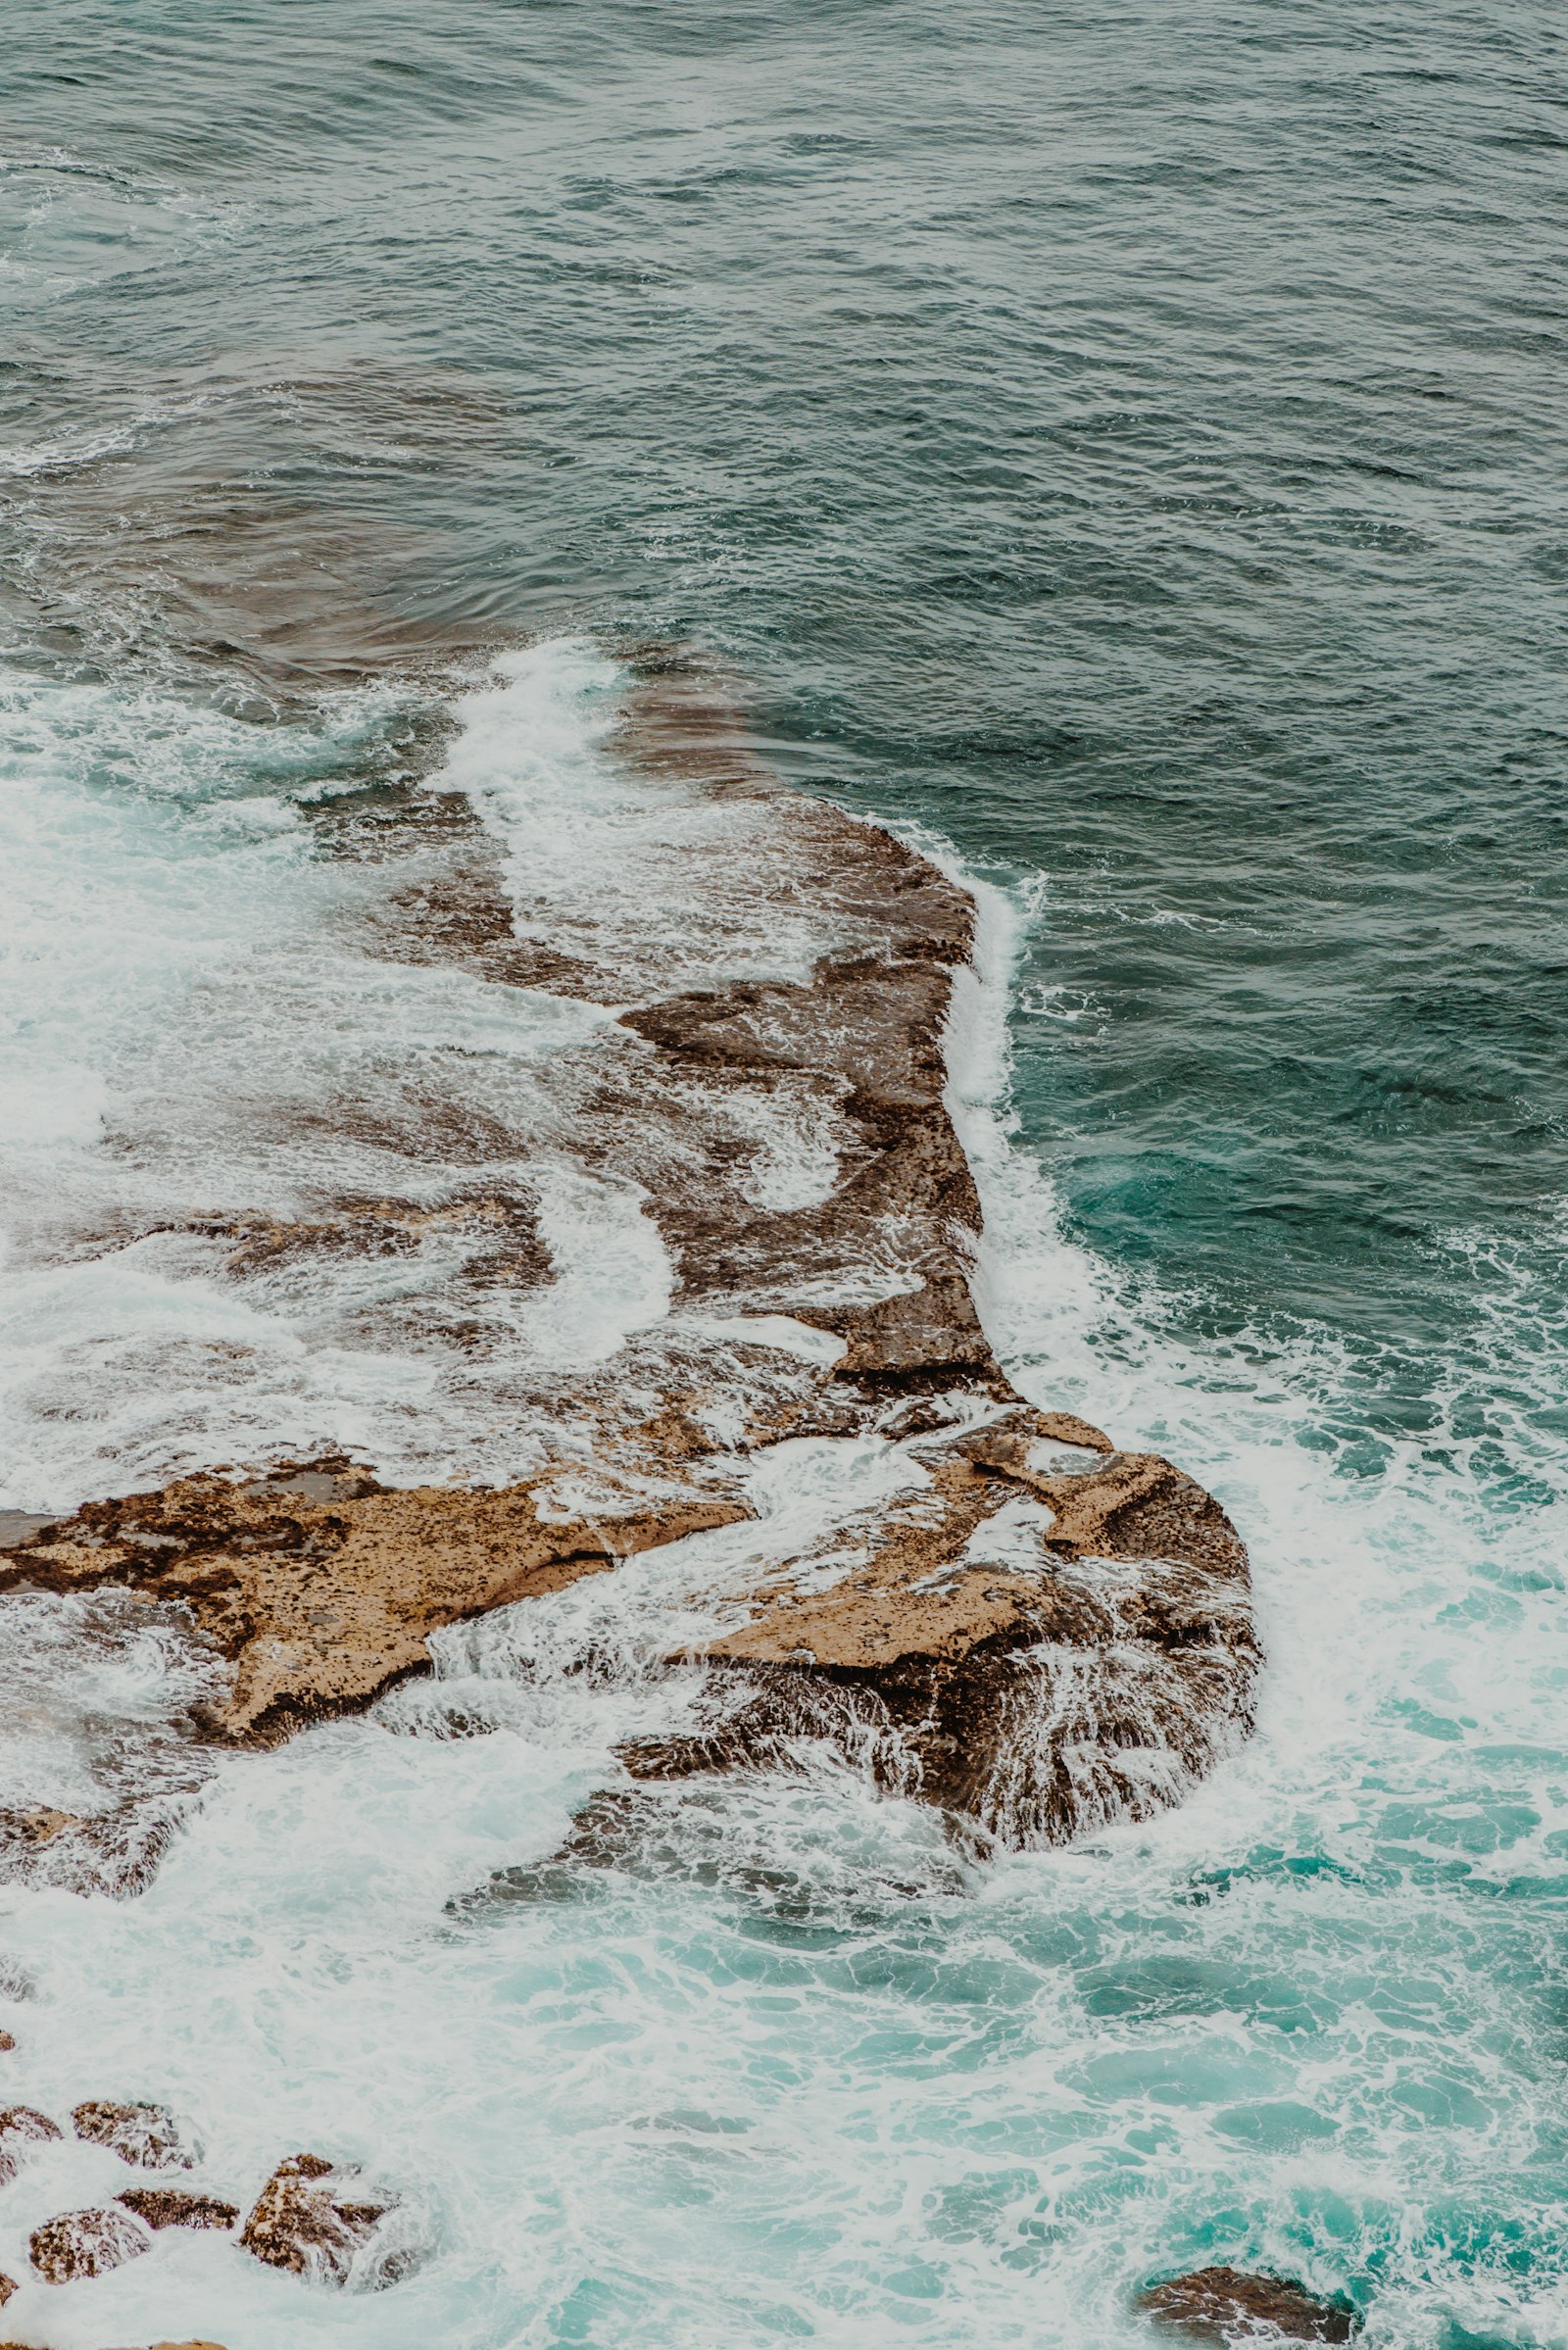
<point x="1126" y="448"/>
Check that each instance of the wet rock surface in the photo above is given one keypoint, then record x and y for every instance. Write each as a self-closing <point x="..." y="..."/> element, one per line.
<point x="144" y="2134"/>
<point x="319" y="1604"/>
<point x="1228" y="2305"/>
<point x="86" y="2243"/>
<point x="21" y="2125"/>
<point x="178" y="2207"/>
<point x="1035" y="1642"/>
<point x="313" y="2219"/>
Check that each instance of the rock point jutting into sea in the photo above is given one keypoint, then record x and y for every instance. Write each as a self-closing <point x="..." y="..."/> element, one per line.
<point x="1028" y="1627"/>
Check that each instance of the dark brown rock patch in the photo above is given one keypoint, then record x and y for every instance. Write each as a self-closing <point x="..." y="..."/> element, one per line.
<point x="86" y="2243"/>
<point x="1227" y="2306"/>
<point x="177" y="2207"/>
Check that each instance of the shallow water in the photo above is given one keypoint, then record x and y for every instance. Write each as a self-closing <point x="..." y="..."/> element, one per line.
<point x="1119" y="449"/>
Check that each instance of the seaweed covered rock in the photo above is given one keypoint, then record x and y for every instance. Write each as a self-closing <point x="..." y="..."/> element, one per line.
<point x="144" y="2136"/>
<point x="86" y="2243"/>
<point x="1227" y="2306"/>
<point x="308" y="2219"/>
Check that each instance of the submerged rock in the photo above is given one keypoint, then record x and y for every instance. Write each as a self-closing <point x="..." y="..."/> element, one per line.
<point x="308" y="2218"/>
<point x="21" y="2125"/>
<point x="1226" y="2306"/>
<point x="178" y="2207"/>
<point x="86" y="2243"/>
<point x="147" y="2135"/>
<point x="39" y="1826"/>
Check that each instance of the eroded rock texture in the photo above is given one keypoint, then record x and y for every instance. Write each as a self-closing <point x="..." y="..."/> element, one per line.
<point x="320" y="1603"/>
<point x="178" y="2207"/>
<point x="311" y="2219"/>
<point x="147" y="2135"/>
<point x="86" y="2243"/>
<point x="1226" y="2306"/>
<point x="1030" y="1628"/>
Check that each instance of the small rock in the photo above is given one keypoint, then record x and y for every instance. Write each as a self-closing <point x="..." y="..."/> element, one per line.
<point x="1226" y="2306"/>
<point x="20" y="2125"/>
<point x="7" y="2044"/>
<point x="7" y="2285"/>
<point x="37" y="1827"/>
<point x="301" y="2221"/>
<point x="147" y="2135"/>
<point x="176" y="2207"/>
<point x="85" y="2243"/>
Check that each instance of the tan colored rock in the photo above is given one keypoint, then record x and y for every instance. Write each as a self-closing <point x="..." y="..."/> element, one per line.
<point x="177" y="2207"/>
<point x="39" y="1826"/>
<point x="86" y="2243"/>
<point x="323" y="1604"/>
<point x="6" y="2042"/>
<point x="7" y="2285"/>
<point x="147" y="2135"/>
<point x="308" y="2218"/>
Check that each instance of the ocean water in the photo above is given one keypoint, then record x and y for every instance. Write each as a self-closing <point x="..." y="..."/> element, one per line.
<point x="1122" y="450"/>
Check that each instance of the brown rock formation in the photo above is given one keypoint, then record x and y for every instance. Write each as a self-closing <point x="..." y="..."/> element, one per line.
<point x="86" y="2243"/>
<point x="323" y="1605"/>
<point x="178" y="2207"/>
<point x="306" y="2219"/>
<point x="1228" y="2306"/>
<point x="787" y="1139"/>
<point x="143" y="2135"/>
<point x="1087" y="1680"/>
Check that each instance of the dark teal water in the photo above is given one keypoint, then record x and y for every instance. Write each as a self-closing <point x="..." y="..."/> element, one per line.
<point x="1128" y="445"/>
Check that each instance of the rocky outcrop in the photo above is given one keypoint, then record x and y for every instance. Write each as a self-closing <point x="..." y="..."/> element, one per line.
<point x="321" y="1605"/>
<point x="309" y="2219"/>
<point x="1226" y="2306"/>
<point x="1052" y="1646"/>
<point x="86" y="2243"/>
<point x="1036" y="1639"/>
<point x="143" y="2135"/>
<point x="178" y="2207"/>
